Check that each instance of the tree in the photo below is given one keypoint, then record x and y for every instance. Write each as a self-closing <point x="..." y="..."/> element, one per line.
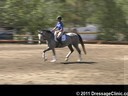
<point x="31" y="15"/>
<point x="112" y="20"/>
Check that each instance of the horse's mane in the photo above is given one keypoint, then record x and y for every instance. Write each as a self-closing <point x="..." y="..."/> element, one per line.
<point x="47" y="31"/>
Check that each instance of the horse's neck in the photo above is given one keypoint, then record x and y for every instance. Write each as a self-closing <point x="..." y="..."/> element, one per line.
<point x="51" y="39"/>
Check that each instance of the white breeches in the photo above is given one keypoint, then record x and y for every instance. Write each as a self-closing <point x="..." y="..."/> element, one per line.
<point x="58" y="34"/>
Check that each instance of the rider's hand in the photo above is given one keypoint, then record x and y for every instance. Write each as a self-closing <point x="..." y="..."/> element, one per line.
<point x="52" y="31"/>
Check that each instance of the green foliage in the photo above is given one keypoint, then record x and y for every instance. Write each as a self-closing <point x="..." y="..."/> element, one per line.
<point x="31" y="15"/>
<point x="112" y="20"/>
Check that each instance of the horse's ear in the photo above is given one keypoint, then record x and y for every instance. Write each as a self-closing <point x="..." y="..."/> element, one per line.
<point x="39" y="31"/>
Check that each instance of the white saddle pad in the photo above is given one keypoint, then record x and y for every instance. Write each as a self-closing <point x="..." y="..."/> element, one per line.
<point x="63" y="38"/>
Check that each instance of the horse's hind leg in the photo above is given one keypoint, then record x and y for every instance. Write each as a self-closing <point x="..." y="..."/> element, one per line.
<point x="71" y="50"/>
<point x="79" y="51"/>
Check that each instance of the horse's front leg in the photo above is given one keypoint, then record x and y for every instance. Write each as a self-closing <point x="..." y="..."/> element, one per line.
<point x="43" y="54"/>
<point x="54" y="55"/>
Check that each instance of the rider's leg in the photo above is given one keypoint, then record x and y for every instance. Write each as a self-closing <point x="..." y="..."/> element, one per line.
<point x="55" y="35"/>
<point x="59" y="34"/>
<point x="59" y="37"/>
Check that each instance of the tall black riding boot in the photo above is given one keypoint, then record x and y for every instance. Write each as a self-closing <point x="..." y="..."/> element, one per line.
<point x="59" y="40"/>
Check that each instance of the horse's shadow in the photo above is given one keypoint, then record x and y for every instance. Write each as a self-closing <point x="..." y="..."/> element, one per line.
<point x="83" y="62"/>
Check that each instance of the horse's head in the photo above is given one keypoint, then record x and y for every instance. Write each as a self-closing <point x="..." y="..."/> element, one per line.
<point x="44" y="34"/>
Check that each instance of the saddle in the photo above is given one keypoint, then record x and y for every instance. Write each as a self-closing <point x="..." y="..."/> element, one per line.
<point x="60" y="40"/>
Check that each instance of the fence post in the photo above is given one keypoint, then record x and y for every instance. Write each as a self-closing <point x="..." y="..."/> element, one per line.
<point x="30" y="38"/>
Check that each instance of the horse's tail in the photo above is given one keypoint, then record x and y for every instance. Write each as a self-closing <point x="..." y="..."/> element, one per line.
<point x="82" y="43"/>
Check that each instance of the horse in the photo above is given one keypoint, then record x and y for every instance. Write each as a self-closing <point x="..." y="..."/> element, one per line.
<point x="68" y="39"/>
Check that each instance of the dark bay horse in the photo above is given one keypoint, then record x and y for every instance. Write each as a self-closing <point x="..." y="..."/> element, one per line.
<point x="69" y="39"/>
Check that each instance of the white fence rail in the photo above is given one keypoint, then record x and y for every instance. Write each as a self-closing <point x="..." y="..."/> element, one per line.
<point x="34" y="39"/>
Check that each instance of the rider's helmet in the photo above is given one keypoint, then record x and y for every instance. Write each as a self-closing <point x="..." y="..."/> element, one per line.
<point x="59" y="18"/>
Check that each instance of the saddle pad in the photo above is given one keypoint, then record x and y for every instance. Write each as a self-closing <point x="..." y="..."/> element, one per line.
<point x="63" y="38"/>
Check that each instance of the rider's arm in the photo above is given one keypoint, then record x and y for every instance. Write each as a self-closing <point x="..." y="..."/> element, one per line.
<point x="53" y="29"/>
<point x="61" y="29"/>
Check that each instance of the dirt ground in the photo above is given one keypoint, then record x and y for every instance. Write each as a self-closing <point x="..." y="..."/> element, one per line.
<point x="103" y="64"/>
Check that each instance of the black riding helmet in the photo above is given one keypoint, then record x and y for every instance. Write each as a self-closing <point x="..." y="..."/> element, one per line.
<point x="59" y="18"/>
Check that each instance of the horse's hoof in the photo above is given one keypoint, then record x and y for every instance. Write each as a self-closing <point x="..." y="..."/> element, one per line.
<point x="53" y="60"/>
<point x="79" y="60"/>
<point x="45" y="59"/>
<point x="66" y="59"/>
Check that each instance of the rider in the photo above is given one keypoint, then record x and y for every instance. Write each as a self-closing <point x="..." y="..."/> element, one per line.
<point x="58" y="30"/>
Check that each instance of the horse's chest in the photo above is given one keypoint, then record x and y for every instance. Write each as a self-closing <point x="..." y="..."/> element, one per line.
<point x="51" y="44"/>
